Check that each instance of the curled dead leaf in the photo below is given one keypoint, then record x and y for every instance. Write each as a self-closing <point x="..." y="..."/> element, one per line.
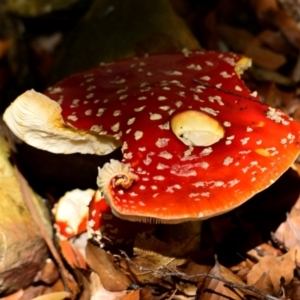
<point x="217" y="289"/>
<point x="280" y="270"/>
<point x="111" y="278"/>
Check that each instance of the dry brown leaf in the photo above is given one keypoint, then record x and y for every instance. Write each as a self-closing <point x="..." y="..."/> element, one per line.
<point x="54" y="296"/>
<point x="263" y="250"/>
<point x="214" y="289"/>
<point x="276" y="268"/>
<point x="242" y="41"/>
<point x="100" y="293"/>
<point x="268" y="11"/>
<point x="153" y="254"/>
<point x="288" y="232"/>
<point x="49" y="274"/>
<point x="72" y="255"/>
<point x="133" y="295"/>
<point x="15" y="296"/>
<point x="111" y="278"/>
<point x="22" y="248"/>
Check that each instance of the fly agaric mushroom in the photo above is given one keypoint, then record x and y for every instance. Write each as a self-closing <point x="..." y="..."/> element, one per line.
<point x="71" y="213"/>
<point x="195" y="142"/>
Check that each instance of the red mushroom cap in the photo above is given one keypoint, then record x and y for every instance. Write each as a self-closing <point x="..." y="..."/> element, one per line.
<point x="195" y="142"/>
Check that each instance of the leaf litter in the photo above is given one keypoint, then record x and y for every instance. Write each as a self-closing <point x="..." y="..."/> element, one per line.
<point x="236" y="256"/>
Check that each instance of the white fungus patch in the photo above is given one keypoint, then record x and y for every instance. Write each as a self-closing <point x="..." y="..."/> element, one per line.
<point x="183" y="172"/>
<point x="55" y="90"/>
<point x="196" y="98"/>
<point x="227" y="124"/>
<point x="143" y="84"/>
<point x="128" y="155"/>
<point x="138" y="109"/>
<point x="194" y="67"/>
<point x="138" y="134"/>
<point x="165" y="126"/>
<point x="193" y="195"/>
<point x="118" y="81"/>
<point x="204" y="165"/>
<point x="206" y="151"/>
<point x="72" y="118"/>
<point x="142" y="98"/>
<point x="233" y="182"/>
<point x="170" y="189"/>
<point x="159" y="177"/>
<point x="130" y="121"/>
<point x="147" y="161"/>
<point x="165" y="107"/>
<point x="123" y="97"/>
<point x="115" y="127"/>
<point x="244" y="141"/>
<point x="75" y="103"/>
<point x="276" y="116"/>
<point x="162" y="142"/>
<point x="173" y="73"/>
<point x="161" y="166"/>
<point x="90" y="88"/>
<point x="161" y="98"/>
<point x="217" y="183"/>
<point x="89" y="96"/>
<point x="116" y="113"/>
<point x="209" y="111"/>
<point x="249" y="129"/>
<point x="100" y="112"/>
<point x="205" y="194"/>
<point x="238" y="88"/>
<point x="224" y="74"/>
<point x="217" y="99"/>
<point x="227" y="161"/>
<point x="96" y="128"/>
<point x="165" y="154"/>
<point x="206" y="78"/>
<point x="124" y="146"/>
<point x="121" y="91"/>
<point x="154" y="116"/>
<point x="199" y="184"/>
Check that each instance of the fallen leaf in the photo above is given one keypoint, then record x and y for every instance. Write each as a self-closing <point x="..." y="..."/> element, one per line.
<point x="214" y="289"/>
<point x="72" y="255"/>
<point x="100" y="293"/>
<point x="54" y="296"/>
<point x="278" y="269"/>
<point x="111" y="278"/>
<point x="22" y="248"/>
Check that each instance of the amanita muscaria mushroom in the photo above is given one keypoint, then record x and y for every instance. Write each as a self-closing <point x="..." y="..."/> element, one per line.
<point x="196" y="143"/>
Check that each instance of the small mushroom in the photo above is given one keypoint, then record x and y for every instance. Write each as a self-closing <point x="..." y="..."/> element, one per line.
<point x="195" y="142"/>
<point x="71" y="213"/>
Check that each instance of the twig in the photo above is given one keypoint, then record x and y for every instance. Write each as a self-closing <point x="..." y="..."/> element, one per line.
<point x="163" y="273"/>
